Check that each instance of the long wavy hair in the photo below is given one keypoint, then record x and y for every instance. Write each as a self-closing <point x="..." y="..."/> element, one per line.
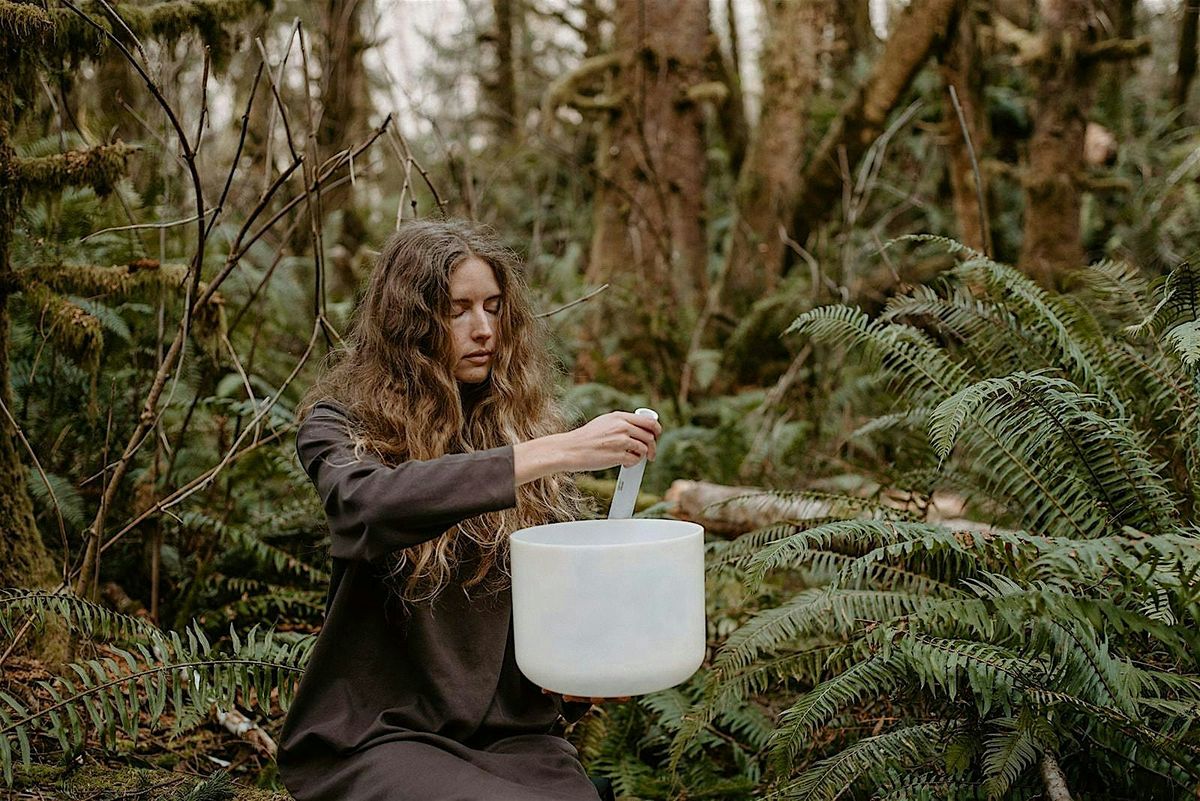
<point x="395" y="377"/>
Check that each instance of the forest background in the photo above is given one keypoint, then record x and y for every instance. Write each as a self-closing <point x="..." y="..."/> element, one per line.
<point x="908" y="283"/>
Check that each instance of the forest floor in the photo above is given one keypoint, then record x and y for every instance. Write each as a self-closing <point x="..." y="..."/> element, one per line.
<point x="157" y="767"/>
<point x="98" y="782"/>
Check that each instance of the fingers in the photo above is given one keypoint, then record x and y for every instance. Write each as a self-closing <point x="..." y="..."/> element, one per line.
<point x="642" y="435"/>
<point x="634" y="454"/>
<point x="649" y="424"/>
<point x="645" y="437"/>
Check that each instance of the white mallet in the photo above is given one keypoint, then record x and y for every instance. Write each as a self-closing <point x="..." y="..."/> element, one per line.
<point x="629" y="480"/>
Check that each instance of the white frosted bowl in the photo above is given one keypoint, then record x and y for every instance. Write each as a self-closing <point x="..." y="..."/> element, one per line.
<point x="608" y="607"/>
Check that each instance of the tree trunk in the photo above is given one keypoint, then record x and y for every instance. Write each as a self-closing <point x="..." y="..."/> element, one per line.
<point x="1052" y="242"/>
<point x="853" y="33"/>
<point x="921" y="30"/>
<point x="24" y="559"/>
<point x="504" y="83"/>
<point x="344" y="101"/>
<point x="593" y="39"/>
<point x="649" y="231"/>
<point x="344" y="82"/>
<point x="766" y="187"/>
<point x="961" y="70"/>
<point x="1185" y="69"/>
<point x="735" y="126"/>
<point x="1114" y="104"/>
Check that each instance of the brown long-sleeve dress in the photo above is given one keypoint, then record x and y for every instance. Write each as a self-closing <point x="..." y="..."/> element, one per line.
<point x="430" y="707"/>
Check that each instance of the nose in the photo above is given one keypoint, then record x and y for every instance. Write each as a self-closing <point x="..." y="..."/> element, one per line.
<point x="481" y="327"/>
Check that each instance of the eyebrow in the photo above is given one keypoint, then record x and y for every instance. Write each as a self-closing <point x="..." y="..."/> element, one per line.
<point x="468" y="300"/>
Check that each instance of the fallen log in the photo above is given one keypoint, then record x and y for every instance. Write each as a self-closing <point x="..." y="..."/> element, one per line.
<point x="730" y="511"/>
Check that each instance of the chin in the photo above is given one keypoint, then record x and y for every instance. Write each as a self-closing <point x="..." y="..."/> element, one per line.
<point x="475" y="376"/>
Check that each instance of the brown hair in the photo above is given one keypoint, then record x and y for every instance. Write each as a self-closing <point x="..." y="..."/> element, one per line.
<point x="395" y="378"/>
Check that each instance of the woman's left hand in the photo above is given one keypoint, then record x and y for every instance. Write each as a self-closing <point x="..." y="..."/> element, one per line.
<point x="593" y="699"/>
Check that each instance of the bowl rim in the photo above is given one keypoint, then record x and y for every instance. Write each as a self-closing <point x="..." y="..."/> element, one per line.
<point x="693" y="529"/>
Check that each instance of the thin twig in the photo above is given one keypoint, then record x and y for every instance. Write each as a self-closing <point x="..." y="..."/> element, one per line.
<point x="237" y="154"/>
<point x="588" y="296"/>
<point x="287" y="128"/>
<point x="203" y="99"/>
<point x="141" y="226"/>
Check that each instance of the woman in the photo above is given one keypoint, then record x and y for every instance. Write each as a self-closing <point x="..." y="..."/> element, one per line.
<point x="432" y="438"/>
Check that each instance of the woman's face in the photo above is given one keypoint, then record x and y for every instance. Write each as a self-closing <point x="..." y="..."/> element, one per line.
<point x="474" y="310"/>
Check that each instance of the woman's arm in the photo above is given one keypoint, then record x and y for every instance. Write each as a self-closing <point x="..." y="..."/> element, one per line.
<point x="540" y="457"/>
<point x="374" y="508"/>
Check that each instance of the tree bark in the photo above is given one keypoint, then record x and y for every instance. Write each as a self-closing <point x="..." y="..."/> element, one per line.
<point x="593" y="39"/>
<point x="344" y="102"/>
<point x="1185" y="69"/>
<point x="922" y="29"/>
<point x="344" y="99"/>
<point x="25" y="561"/>
<point x="504" y="86"/>
<point x="853" y="33"/>
<point x="734" y="124"/>
<point x="649" y="226"/>
<point x="767" y="185"/>
<point x="961" y="69"/>
<point x="1115" y="106"/>
<point x="1052" y="242"/>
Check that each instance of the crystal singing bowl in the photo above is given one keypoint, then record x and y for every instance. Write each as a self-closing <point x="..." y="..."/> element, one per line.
<point x="608" y="607"/>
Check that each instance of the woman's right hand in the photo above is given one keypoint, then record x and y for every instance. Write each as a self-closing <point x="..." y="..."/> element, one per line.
<point x="615" y="438"/>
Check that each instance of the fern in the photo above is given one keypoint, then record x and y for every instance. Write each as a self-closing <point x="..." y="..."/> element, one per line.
<point x="158" y="672"/>
<point x="99" y="623"/>
<point x="1069" y="627"/>
<point x="912" y="745"/>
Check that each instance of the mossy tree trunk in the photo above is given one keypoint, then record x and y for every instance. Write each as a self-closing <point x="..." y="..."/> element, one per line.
<point x="961" y="69"/>
<point x="1052" y="243"/>
<point x="921" y="29"/>
<point x="649" y="235"/>
<point x="345" y="102"/>
<point x="502" y="84"/>
<point x="24" y="558"/>
<point x="1185" y="67"/>
<point x="853" y="33"/>
<point x="766" y="188"/>
<point x="735" y="126"/>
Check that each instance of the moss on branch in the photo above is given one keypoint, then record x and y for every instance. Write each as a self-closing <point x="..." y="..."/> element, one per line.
<point x="98" y="167"/>
<point x="55" y="294"/>
<point x="32" y="30"/>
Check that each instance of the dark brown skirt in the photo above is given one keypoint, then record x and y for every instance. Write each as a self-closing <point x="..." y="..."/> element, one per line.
<point x="418" y="766"/>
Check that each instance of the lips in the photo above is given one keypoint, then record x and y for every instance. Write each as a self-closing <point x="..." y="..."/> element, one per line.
<point x="481" y="356"/>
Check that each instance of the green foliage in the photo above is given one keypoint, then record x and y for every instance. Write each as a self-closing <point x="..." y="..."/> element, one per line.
<point x="624" y="743"/>
<point x="97" y="622"/>
<point x="157" y="672"/>
<point x="1065" y="626"/>
<point x="217" y="787"/>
